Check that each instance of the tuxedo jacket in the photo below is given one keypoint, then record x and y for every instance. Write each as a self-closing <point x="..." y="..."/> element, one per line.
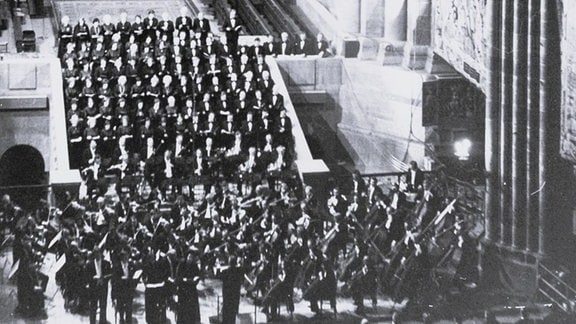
<point x="305" y="48"/>
<point x="289" y="49"/>
<point x="418" y="179"/>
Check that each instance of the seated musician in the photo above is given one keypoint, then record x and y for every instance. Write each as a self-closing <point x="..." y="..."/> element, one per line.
<point x="252" y="163"/>
<point x="200" y="164"/>
<point x="124" y="168"/>
<point x="210" y="127"/>
<point x="92" y="174"/>
<point x="227" y="131"/>
<point x="119" y="151"/>
<point x="279" y="162"/>
<point x="180" y="150"/>
<point x="148" y="151"/>
<point x="210" y="151"/>
<point x="237" y="147"/>
<point x="166" y="170"/>
<point x="89" y="154"/>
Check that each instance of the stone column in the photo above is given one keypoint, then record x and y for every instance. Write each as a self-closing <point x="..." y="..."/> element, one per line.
<point x="550" y="97"/>
<point x="506" y="122"/>
<point x="519" y="108"/>
<point x="532" y="130"/>
<point x="419" y="33"/>
<point x="348" y="14"/>
<point x="493" y="100"/>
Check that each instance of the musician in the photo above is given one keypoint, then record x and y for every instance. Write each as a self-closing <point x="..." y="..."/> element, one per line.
<point x="429" y="204"/>
<point x="200" y="164"/>
<point x="81" y="32"/>
<point x="232" y="28"/>
<point x="397" y="197"/>
<point x="337" y="203"/>
<point x="166" y="169"/>
<point x="210" y="127"/>
<point x="210" y="151"/>
<point x="180" y="150"/>
<point x="373" y="192"/>
<point x="65" y="35"/>
<point x="93" y="173"/>
<point x="414" y="177"/>
<point x="156" y="272"/>
<point x="232" y="278"/>
<point x="227" y="131"/>
<point x="249" y="129"/>
<point x="321" y="47"/>
<point x="284" y="47"/>
<point x="124" y="168"/>
<point x="303" y="47"/>
<point x="279" y="160"/>
<point x="252" y="162"/>
<point x="358" y="184"/>
<point x="363" y="281"/>
<point x="29" y="294"/>
<point x="149" y="150"/>
<point x="201" y="25"/>
<point x="99" y="271"/>
<point x="183" y="22"/>
<point x="121" y="150"/>
<point x="283" y="127"/>
<point x="187" y="277"/>
<point x="123" y="286"/>
<point x="166" y="28"/>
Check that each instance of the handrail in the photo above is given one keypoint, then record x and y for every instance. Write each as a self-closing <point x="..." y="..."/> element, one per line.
<point x="289" y="8"/>
<point x="562" y="282"/>
<point x="192" y="6"/>
<point x="221" y="9"/>
<point x="280" y="18"/>
<point x="252" y="19"/>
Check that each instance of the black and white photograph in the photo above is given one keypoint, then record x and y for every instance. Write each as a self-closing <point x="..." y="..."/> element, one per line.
<point x="287" y="161"/>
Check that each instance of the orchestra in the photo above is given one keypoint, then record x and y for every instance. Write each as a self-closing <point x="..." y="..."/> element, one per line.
<point x="195" y="180"/>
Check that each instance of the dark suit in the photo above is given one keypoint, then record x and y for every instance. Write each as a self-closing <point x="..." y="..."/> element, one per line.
<point x="202" y="26"/>
<point x="188" y="308"/>
<point x="232" y="30"/>
<point x="283" y="128"/>
<point x="303" y="47"/>
<point x="98" y="289"/>
<point x="373" y="194"/>
<point x="156" y="272"/>
<point x="286" y="50"/>
<point x="414" y="184"/>
<point x="123" y="285"/>
<point x="183" y="23"/>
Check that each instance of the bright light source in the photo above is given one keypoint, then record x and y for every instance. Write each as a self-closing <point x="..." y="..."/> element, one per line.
<point x="462" y="149"/>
